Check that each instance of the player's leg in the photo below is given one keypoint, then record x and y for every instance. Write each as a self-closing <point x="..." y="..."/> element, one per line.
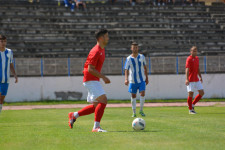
<point x="84" y="111"/>
<point x="142" y="101"/>
<point x="133" y="90"/>
<point x="189" y="100"/>
<point x="190" y="90"/>
<point x="2" y="97"/>
<point x="92" y="95"/>
<point x="199" y="87"/>
<point x="99" y="111"/>
<point x="3" y="90"/>
<point x="88" y="109"/>
<point x="1" y="101"/>
<point x="198" y="97"/>
<point x="142" y="97"/>
<point x="133" y="103"/>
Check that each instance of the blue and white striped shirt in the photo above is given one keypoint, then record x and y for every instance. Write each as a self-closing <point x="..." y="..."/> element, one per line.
<point x="136" y="68"/>
<point x="6" y="60"/>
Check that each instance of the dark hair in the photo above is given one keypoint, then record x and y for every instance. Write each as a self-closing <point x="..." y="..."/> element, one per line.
<point x="100" y="33"/>
<point x="3" y="37"/>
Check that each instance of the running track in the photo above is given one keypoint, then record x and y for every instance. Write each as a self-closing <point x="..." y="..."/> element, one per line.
<point x="59" y="106"/>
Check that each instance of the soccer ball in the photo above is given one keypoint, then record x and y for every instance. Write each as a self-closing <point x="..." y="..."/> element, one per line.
<point x="138" y="124"/>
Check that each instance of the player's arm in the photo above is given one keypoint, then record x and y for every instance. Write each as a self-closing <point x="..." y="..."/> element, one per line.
<point x="146" y="74"/>
<point x="187" y="74"/>
<point x="199" y="74"/>
<point x="94" y="72"/>
<point x="13" y="72"/>
<point x="126" y="77"/>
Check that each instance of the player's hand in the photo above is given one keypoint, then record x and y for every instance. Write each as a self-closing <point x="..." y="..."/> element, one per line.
<point x="146" y="81"/>
<point x="201" y="80"/>
<point x="187" y="82"/>
<point x="106" y="80"/>
<point x="16" y="79"/>
<point x="126" y="82"/>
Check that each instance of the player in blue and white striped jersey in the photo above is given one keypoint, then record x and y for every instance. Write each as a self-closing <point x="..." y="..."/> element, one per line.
<point x="6" y="65"/>
<point x="135" y="68"/>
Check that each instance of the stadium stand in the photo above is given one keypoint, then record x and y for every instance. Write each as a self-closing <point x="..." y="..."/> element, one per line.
<point x="46" y="29"/>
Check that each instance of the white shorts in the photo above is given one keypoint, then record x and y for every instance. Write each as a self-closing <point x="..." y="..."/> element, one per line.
<point x="194" y="86"/>
<point x="94" y="90"/>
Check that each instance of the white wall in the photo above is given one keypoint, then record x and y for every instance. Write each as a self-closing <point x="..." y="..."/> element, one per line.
<point x="160" y="87"/>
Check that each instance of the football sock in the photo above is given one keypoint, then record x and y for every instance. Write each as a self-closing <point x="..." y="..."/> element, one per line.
<point x="142" y="101"/>
<point x="197" y="98"/>
<point x="86" y="110"/>
<point x="96" y="124"/>
<point x="0" y="108"/>
<point x="189" y="100"/>
<point x="99" y="111"/>
<point x="76" y="115"/>
<point x="133" y="102"/>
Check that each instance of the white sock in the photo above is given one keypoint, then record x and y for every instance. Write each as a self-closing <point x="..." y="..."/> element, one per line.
<point x="0" y="108"/>
<point x="76" y="115"/>
<point x="133" y="102"/>
<point x="142" y="101"/>
<point x="96" y="124"/>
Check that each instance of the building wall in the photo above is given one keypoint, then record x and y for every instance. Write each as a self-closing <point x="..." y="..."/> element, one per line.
<point x="160" y="87"/>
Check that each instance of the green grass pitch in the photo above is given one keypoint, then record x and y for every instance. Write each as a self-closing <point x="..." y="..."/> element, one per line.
<point x="169" y="128"/>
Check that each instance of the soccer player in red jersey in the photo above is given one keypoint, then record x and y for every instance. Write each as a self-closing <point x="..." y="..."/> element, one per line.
<point x="192" y="81"/>
<point x="92" y="74"/>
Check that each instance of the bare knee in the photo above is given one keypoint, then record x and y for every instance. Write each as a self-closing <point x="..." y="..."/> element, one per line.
<point x="201" y="92"/>
<point x="190" y="94"/>
<point x="102" y="99"/>
<point x="133" y="95"/>
<point x="2" y="99"/>
<point x="142" y="93"/>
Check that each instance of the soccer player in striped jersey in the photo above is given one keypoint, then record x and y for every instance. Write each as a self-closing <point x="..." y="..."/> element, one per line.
<point x="5" y="67"/>
<point x="135" y="68"/>
<point x="192" y="72"/>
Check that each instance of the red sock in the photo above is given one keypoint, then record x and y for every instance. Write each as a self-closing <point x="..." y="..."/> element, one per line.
<point x="189" y="101"/>
<point x="197" y="98"/>
<point x="99" y="111"/>
<point x="87" y="110"/>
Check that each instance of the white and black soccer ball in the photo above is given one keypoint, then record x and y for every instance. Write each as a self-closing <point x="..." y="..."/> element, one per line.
<point x="138" y="124"/>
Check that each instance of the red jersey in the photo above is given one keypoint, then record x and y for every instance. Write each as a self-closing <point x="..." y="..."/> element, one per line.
<point x="96" y="57"/>
<point x="193" y="64"/>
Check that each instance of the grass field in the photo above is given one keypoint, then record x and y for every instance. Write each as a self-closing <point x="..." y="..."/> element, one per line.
<point x="166" y="128"/>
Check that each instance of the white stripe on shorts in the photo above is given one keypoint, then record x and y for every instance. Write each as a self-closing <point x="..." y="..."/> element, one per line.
<point x="94" y="90"/>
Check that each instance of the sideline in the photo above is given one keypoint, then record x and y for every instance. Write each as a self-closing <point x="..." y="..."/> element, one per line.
<point x="60" y="106"/>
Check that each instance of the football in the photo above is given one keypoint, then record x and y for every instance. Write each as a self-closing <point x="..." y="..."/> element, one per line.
<point x="138" y="124"/>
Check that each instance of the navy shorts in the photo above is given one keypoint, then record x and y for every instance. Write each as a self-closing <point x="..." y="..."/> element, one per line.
<point x="133" y="87"/>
